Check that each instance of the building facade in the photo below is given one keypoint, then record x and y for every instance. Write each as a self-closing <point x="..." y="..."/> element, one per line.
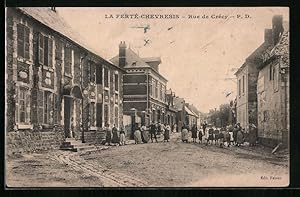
<point x="247" y="74"/>
<point x="171" y="110"/>
<point x="273" y="88"/>
<point x="56" y="87"/>
<point x="144" y="87"/>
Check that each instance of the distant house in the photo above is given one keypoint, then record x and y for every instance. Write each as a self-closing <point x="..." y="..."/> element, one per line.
<point x="247" y="74"/>
<point x="55" y="82"/>
<point x="273" y="87"/>
<point x="190" y="117"/>
<point x="144" y="87"/>
<point x="171" y="110"/>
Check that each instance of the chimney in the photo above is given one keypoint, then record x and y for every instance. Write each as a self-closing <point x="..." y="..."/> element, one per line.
<point x="269" y="36"/>
<point x="277" y="28"/>
<point x="122" y="54"/>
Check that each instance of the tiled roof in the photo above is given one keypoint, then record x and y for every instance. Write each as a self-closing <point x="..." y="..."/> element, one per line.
<point x="189" y="112"/>
<point x="132" y="60"/>
<point x="152" y="59"/>
<point x="57" y="23"/>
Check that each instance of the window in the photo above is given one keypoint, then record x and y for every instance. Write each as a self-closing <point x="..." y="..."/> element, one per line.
<point x="45" y="50"/>
<point x="92" y="114"/>
<point x="116" y="99"/>
<point x="271" y="74"/>
<point x="23" y="106"/>
<point x="106" y="77"/>
<point x="116" y="116"/>
<point x="92" y="68"/>
<point x="48" y="108"/>
<point x="99" y="115"/>
<point x="68" y="61"/>
<point x="160" y="91"/>
<point x="243" y="84"/>
<point x="98" y="74"/>
<point x="116" y="82"/>
<point x="239" y="84"/>
<point x="150" y="88"/>
<point x="23" y="41"/>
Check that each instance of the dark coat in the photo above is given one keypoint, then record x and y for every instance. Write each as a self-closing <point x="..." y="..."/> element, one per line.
<point x="115" y="136"/>
<point x="108" y="135"/>
<point x="194" y="132"/>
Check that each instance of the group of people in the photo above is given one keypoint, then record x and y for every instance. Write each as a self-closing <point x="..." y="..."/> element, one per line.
<point x="229" y="136"/>
<point x="140" y="133"/>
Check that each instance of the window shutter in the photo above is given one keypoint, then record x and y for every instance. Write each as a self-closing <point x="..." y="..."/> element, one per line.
<point x="41" y="49"/>
<point x="99" y="115"/>
<point x="27" y="120"/>
<point x="26" y="40"/>
<point x="40" y="106"/>
<point x="20" y="38"/>
<point x="50" y="52"/>
<point x="99" y="74"/>
<point x="45" y="50"/>
<point x="51" y="109"/>
<point x="55" y="106"/>
<point x="17" y="105"/>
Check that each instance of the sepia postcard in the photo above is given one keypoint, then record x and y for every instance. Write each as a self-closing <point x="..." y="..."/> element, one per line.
<point x="147" y="97"/>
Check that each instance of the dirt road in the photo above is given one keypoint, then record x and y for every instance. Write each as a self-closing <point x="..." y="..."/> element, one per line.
<point x="163" y="164"/>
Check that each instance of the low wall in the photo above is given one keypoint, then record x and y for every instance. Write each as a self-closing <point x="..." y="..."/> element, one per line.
<point x="34" y="140"/>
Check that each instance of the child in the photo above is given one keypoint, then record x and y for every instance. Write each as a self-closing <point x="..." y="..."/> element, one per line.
<point x="122" y="137"/>
<point x="200" y="136"/>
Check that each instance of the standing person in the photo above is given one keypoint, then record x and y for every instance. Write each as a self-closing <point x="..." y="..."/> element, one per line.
<point x="167" y="133"/>
<point x="184" y="134"/>
<point x="122" y="136"/>
<point x="144" y="134"/>
<point x="115" y="136"/>
<point x="221" y="138"/>
<point x="137" y="135"/>
<point x="227" y="137"/>
<point x="200" y="135"/>
<point x="231" y="137"/>
<point x="235" y="131"/>
<point x="239" y="138"/>
<point x="175" y="129"/>
<point x="204" y="125"/>
<point x="210" y="136"/>
<point x="153" y="130"/>
<point x="252" y="134"/>
<point x="194" y="133"/>
<point x="108" y="134"/>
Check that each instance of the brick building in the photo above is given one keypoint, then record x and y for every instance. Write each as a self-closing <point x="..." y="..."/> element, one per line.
<point x="144" y="87"/>
<point x="273" y="87"/>
<point x="246" y="102"/>
<point x="54" y="82"/>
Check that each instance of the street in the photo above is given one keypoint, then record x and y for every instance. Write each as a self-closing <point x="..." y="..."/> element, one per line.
<point x="162" y="164"/>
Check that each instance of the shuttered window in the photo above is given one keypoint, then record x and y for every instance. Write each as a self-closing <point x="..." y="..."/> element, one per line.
<point x="45" y="50"/>
<point x="98" y="74"/>
<point x="106" y="113"/>
<point x="106" y="77"/>
<point x="92" y="72"/>
<point x="92" y="114"/>
<point x="23" y="106"/>
<point x="40" y="106"/>
<point x="68" y="61"/>
<point x="116" y="82"/>
<point x="99" y="115"/>
<point x="117" y="116"/>
<point x="23" y="41"/>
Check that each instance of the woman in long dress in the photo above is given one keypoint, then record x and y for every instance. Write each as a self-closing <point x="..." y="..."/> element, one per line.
<point x="137" y="136"/>
<point x="115" y="136"/>
<point x="239" y="138"/>
<point x="184" y="134"/>
<point x="122" y="136"/>
<point x="252" y="135"/>
<point x="108" y="134"/>
<point x="167" y="133"/>
<point x="194" y="133"/>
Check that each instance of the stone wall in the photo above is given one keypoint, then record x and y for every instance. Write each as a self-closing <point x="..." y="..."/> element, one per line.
<point x="34" y="140"/>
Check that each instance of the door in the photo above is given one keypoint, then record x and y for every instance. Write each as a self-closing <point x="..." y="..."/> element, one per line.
<point x="68" y="108"/>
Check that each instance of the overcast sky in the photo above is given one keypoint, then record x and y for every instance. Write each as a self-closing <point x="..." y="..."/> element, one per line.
<point x="197" y="54"/>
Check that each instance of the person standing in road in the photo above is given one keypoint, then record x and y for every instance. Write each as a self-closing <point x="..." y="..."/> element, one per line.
<point x="231" y="137"/>
<point x="252" y="134"/>
<point x="122" y="136"/>
<point x="167" y="133"/>
<point x="137" y="135"/>
<point x="194" y="133"/>
<point x="184" y="134"/>
<point x="200" y="135"/>
<point x="108" y="134"/>
<point x="153" y="130"/>
<point x="204" y="125"/>
<point x="115" y="136"/>
<point x="239" y="138"/>
<point x="235" y="131"/>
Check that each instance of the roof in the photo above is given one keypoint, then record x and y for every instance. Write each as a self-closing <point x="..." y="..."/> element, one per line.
<point x="281" y="48"/>
<point x="189" y="112"/>
<point x="132" y="60"/>
<point x="178" y="103"/>
<point x="194" y="109"/>
<point x="152" y="59"/>
<point x="57" y="23"/>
